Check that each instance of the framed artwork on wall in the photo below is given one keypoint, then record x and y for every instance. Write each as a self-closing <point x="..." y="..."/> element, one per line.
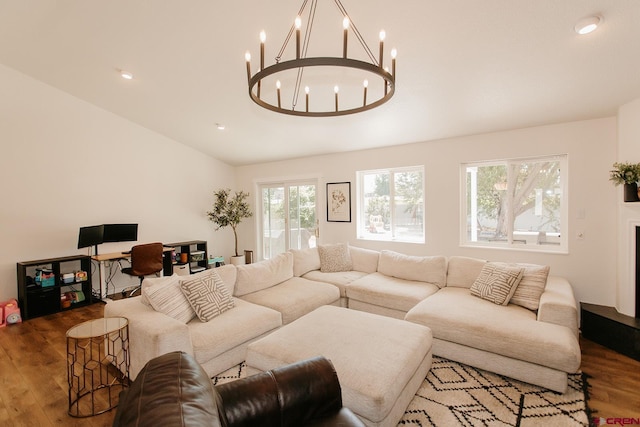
<point x="339" y="201"/>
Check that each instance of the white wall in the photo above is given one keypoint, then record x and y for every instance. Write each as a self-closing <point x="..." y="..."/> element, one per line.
<point x="628" y="213"/>
<point x="591" y="146"/>
<point x="66" y="163"/>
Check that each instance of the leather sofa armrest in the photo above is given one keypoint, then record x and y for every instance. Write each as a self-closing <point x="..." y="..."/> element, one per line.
<point x="303" y="393"/>
<point x="171" y="390"/>
<point x="558" y="304"/>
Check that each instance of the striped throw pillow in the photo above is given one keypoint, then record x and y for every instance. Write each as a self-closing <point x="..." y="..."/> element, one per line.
<point x="208" y="296"/>
<point x="166" y="297"/>
<point x="531" y="287"/>
<point x="496" y="283"/>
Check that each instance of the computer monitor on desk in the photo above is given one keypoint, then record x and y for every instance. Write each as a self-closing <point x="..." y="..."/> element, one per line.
<point x="91" y="236"/>
<point x="95" y="235"/>
<point x="120" y="233"/>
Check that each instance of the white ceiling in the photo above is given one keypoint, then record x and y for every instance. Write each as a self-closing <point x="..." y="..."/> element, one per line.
<point x="464" y="67"/>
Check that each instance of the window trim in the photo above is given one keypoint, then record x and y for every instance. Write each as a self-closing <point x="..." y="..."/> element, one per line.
<point x="563" y="248"/>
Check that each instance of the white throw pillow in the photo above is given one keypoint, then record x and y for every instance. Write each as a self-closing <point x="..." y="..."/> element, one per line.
<point x="207" y="295"/>
<point x="417" y="268"/>
<point x="496" y="283"/>
<point x="166" y="297"/>
<point x="335" y="258"/>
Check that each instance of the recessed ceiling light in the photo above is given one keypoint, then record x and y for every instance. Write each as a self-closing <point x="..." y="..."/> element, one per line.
<point x="220" y="126"/>
<point x="587" y="25"/>
<point x="126" y="75"/>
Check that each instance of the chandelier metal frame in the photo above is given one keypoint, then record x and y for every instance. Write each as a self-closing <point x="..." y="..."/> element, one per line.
<point x="375" y="67"/>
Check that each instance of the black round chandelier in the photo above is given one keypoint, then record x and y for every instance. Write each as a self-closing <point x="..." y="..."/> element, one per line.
<point x="313" y="75"/>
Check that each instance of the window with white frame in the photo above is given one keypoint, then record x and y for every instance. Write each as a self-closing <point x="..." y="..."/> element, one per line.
<point x="520" y="204"/>
<point x="391" y="204"/>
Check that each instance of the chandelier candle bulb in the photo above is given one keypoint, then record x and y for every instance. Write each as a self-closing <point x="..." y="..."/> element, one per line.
<point x="298" y="24"/>
<point x="365" y="84"/>
<point x="247" y="57"/>
<point x="263" y="38"/>
<point x="394" y="53"/>
<point x="278" y="91"/>
<point x="336" y="90"/>
<point x="382" y="36"/>
<point x="345" y="25"/>
<point x="306" y="91"/>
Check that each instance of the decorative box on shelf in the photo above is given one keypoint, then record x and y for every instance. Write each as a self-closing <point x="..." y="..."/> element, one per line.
<point x="45" y="277"/>
<point x="216" y="261"/>
<point x="197" y="256"/>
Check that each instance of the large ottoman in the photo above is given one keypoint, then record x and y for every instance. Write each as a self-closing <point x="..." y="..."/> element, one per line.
<point x="380" y="361"/>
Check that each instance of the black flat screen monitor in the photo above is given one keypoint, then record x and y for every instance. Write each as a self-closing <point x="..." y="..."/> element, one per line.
<point x="90" y="236"/>
<point x="120" y="233"/>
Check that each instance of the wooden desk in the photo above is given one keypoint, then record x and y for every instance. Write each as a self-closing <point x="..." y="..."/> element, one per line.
<point x="113" y="256"/>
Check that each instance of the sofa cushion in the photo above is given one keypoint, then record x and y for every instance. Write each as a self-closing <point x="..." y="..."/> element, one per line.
<point x="208" y="296"/>
<point x="341" y="279"/>
<point x="532" y="285"/>
<point x="264" y="274"/>
<point x="417" y="268"/>
<point x="305" y="260"/>
<point x="295" y="297"/>
<point x="365" y="260"/>
<point x="454" y="315"/>
<point x="496" y="283"/>
<point x="164" y="295"/>
<point x="233" y="328"/>
<point x="463" y="271"/>
<point x="335" y="257"/>
<point x="385" y="291"/>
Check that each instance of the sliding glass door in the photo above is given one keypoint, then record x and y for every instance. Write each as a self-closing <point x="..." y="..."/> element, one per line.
<point x="288" y="217"/>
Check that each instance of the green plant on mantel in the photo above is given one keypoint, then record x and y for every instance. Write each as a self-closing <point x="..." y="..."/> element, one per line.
<point x="229" y="210"/>
<point x="625" y="173"/>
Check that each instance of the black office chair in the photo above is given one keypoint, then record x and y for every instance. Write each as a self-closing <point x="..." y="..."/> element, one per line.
<point x="145" y="259"/>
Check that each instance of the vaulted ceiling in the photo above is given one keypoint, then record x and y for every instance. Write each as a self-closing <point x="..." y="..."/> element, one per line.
<point x="464" y="67"/>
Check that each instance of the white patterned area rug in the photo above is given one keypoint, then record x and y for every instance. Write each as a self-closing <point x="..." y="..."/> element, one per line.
<point x="454" y="394"/>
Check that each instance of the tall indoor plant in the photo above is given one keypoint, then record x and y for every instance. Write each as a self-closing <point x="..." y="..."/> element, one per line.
<point x="229" y="210"/>
<point x="627" y="174"/>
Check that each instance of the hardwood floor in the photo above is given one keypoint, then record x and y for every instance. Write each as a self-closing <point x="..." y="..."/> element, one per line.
<point x="33" y="374"/>
<point x="33" y="367"/>
<point x="614" y="380"/>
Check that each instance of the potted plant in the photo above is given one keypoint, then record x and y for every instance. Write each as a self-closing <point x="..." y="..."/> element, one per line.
<point x="230" y="210"/>
<point x="627" y="174"/>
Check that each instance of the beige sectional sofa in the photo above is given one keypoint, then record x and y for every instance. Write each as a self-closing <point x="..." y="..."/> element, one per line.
<point x="533" y="337"/>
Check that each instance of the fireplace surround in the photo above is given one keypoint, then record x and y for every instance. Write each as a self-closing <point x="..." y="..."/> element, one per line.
<point x="608" y="327"/>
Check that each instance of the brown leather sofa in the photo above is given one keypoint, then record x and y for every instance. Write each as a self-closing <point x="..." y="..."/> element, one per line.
<point x="174" y="390"/>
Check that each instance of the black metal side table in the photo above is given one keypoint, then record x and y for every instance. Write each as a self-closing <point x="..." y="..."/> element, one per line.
<point x="97" y="365"/>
